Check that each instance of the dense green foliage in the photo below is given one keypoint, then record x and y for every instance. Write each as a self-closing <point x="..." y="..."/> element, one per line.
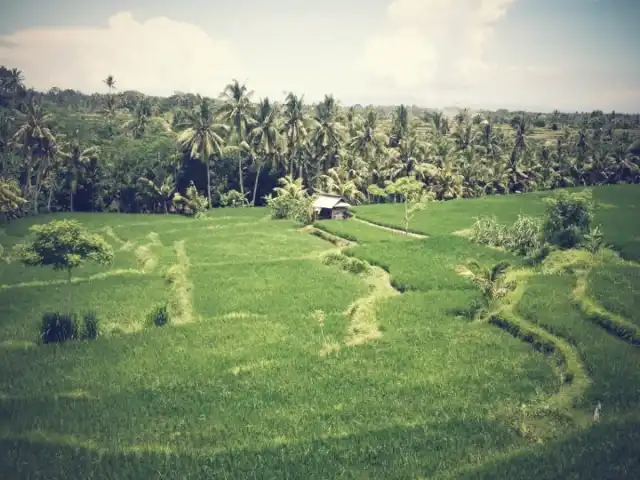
<point x="130" y="152"/>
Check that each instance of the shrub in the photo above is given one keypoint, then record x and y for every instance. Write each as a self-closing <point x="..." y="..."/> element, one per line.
<point x="160" y="315"/>
<point x="525" y="236"/>
<point x="192" y="204"/>
<point x="335" y="259"/>
<point x="356" y="266"/>
<point x="233" y="198"/>
<point x="90" y="326"/>
<point x="58" y="327"/>
<point x="349" y="264"/>
<point x="297" y="209"/>
<point x="487" y="231"/>
<point x="594" y="240"/>
<point x="568" y="218"/>
<point x="279" y="206"/>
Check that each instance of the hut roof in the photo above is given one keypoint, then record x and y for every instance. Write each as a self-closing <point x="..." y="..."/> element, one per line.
<point x="330" y="201"/>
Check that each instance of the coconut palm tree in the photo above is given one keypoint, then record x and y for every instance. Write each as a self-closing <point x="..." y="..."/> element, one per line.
<point x="400" y="126"/>
<point x="35" y="139"/>
<point x="265" y="138"/>
<point x="110" y="82"/>
<point x="337" y="182"/>
<point x="297" y="129"/>
<point x="203" y="138"/>
<point x="75" y="157"/>
<point x="328" y="134"/>
<point x="290" y="188"/>
<point x="237" y="112"/>
<point x="163" y="191"/>
<point x="369" y="140"/>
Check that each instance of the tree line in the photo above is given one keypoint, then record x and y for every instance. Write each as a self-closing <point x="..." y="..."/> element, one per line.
<point x="127" y="152"/>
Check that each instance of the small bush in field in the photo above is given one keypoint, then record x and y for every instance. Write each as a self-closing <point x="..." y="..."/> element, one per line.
<point x="568" y="218"/>
<point x="192" y="204"/>
<point x="349" y="264"/>
<point x="233" y="199"/>
<point x="356" y="266"/>
<point x="525" y="236"/>
<point x="334" y="259"/>
<point x="160" y="315"/>
<point x="487" y="231"/>
<point x="58" y="327"/>
<point x="594" y="240"/>
<point x="90" y="326"/>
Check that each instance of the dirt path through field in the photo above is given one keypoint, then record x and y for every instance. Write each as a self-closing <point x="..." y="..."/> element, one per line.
<point x="402" y="232"/>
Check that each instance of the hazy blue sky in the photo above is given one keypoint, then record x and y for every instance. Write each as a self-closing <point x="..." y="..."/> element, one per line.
<point x="545" y="54"/>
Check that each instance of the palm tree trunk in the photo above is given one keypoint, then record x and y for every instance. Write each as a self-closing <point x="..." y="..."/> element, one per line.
<point x="255" y="186"/>
<point x="208" y="183"/>
<point x="240" y="176"/>
<point x="50" y="199"/>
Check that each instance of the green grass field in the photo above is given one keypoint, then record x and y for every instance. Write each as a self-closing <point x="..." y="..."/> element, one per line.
<point x="278" y="365"/>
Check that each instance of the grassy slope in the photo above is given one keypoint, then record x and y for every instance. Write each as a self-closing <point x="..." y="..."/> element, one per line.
<point x="242" y="390"/>
<point x="606" y="450"/>
<point x="616" y="206"/>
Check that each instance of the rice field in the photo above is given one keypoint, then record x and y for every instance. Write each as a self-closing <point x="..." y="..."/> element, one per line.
<point x="279" y="364"/>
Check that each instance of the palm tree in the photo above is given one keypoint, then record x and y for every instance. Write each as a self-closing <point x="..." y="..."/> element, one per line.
<point x="110" y="82"/>
<point x="35" y="139"/>
<point x="110" y="109"/>
<point x="265" y="138"/>
<point x="76" y="157"/>
<point x="369" y="140"/>
<point x="203" y="138"/>
<point x="237" y="111"/>
<point x="296" y="128"/>
<point x="163" y="191"/>
<point x="409" y="153"/>
<point x="328" y="133"/>
<point x="290" y="188"/>
<point x="337" y="182"/>
<point x="400" y="126"/>
<point x="142" y="118"/>
<point x="489" y="280"/>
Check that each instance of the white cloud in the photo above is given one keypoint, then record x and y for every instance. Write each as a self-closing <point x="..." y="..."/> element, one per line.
<point x="156" y="56"/>
<point x="435" y="42"/>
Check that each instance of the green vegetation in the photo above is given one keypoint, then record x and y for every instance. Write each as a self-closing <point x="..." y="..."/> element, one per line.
<point x="234" y="343"/>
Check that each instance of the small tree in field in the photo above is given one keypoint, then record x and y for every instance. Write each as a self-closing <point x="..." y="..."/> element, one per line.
<point x="63" y="245"/>
<point x="569" y="218"/>
<point x="414" y="197"/>
<point x="489" y="280"/>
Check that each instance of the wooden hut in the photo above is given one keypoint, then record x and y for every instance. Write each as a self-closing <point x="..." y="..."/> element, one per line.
<point x="331" y="206"/>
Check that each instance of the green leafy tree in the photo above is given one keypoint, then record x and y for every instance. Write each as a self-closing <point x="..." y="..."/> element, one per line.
<point x="568" y="219"/>
<point x="413" y="195"/>
<point x="63" y="245"/>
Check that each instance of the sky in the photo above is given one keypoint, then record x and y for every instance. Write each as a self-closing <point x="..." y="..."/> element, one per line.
<point x="531" y="54"/>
